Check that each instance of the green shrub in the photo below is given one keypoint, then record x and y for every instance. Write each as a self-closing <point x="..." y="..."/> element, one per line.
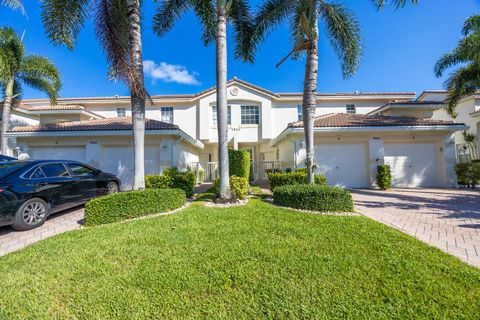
<point x="239" y="163"/>
<point x="238" y="186"/>
<point x="291" y="178"/>
<point x="182" y="180"/>
<point x="384" y="177"/>
<point x="468" y="174"/>
<point x="313" y="197"/>
<point x="158" y="182"/>
<point x="132" y="204"/>
<point x="301" y="170"/>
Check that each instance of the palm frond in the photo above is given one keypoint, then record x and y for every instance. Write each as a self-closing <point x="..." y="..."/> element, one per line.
<point x="63" y="19"/>
<point x="239" y="15"/>
<point x="303" y="26"/>
<point x="11" y="52"/>
<point x="14" y="4"/>
<point x="468" y="49"/>
<point x="472" y="24"/>
<point x="396" y="3"/>
<point x="167" y="14"/>
<point x="270" y="15"/>
<point x="344" y="32"/>
<point x="40" y="73"/>
<point x="463" y="82"/>
<point x="207" y="14"/>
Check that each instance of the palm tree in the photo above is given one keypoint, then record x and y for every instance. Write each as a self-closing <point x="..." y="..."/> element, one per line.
<point x="466" y="79"/>
<point x="14" y="4"/>
<point x="16" y="69"/>
<point x="118" y="29"/>
<point x="214" y="15"/>
<point x="304" y="16"/>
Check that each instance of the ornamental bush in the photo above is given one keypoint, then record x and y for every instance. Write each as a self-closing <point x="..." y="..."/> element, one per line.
<point x="132" y="204"/>
<point x="238" y="186"/>
<point x="468" y="174"/>
<point x="313" y="197"/>
<point x="239" y="163"/>
<point x="158" y="182"/>
<point x="384" y="177"/>
<point x="172" y="178"/>
<point x="292" y="178"/>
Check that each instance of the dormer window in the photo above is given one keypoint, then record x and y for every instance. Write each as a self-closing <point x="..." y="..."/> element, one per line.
<point x="351" y="108"/>
<point x="167" y="114"/>
<point x="121" y="112"/>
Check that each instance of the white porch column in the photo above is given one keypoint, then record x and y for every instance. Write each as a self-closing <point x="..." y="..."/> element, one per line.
<point x="92" y="153"/>
<point x="450" y="159"/>
<point x="376" y="156"/>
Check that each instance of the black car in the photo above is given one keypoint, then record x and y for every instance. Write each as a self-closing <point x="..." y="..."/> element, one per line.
<point x="31" y="190"/>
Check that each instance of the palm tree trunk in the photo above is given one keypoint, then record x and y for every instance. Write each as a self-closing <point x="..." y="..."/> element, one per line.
<point x="137" y="91"/>
<point x="7" y="104"/>
<point x="222" y="126"/>
<point x="310" y="100"/>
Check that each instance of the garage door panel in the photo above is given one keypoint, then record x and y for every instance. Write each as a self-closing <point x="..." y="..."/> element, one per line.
<point x="57" y="153"/>
<point x="413" y="164"/>
<point x="119" y="161"/>
<point x="344" y="165"/>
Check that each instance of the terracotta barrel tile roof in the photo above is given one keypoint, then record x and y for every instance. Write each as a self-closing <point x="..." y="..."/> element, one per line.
<point x="338" y="120"/>
<point x="51" y="108"/>
<point x="109" y="124"/>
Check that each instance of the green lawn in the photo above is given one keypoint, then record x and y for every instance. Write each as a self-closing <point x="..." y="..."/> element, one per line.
<point x="255" y="261"/>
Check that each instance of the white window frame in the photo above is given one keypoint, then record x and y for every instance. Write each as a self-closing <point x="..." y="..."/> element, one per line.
<point x="215" y="117"/>
<point x="166" y="114"/>
<point x="121" y="112"/>
<point x="351" y="105"/>
<point x="299" y="112"/>
<point x="247" y="118"/>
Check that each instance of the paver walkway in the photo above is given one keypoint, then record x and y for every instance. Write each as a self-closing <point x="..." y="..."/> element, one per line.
<point x="12" y="240"/>
<point x="448" y="219"/>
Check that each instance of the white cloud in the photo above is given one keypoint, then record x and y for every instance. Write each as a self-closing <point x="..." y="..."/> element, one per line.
<point x="169" y="73"/>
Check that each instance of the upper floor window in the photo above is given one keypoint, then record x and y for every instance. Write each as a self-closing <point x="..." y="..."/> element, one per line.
<point x="250" y="115"/>
<point x="121" y="112"/>
<point x="351" y="108"/>
<point x="167" y="114"/>
<point x="214" y="115"/>
<point x="299" y="112"/>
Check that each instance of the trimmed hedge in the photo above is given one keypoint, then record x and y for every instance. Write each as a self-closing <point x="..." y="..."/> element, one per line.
<point x="172" y="178"/>
<point x="132" y="204"/>
<point x="158" y="182"/>
<point x="468" y="174"/>
<point x="313" y="197"/>
<point x="239" y="163"/>
<point x="292" y="178"/>
<point x="238" y="186"/>
<point x="384" y="177"/>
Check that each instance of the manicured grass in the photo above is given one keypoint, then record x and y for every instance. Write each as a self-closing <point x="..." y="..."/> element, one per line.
<point x="254" y="261"/>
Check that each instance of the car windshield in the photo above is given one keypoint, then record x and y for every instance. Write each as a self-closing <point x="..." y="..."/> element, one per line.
<point x="7" y="168"/>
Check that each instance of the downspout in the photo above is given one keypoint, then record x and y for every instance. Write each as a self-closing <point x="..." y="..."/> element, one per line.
<point x="171" y="149"/>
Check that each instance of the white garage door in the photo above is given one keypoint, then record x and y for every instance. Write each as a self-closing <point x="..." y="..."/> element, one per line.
<point x="57" y="153"/>
<point x="344" y="165"/>
<point x="119" y="161"/>
<point x="413" y="164"/>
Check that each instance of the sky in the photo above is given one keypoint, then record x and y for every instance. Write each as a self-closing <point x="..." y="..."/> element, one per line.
<point x="400" y="50"/>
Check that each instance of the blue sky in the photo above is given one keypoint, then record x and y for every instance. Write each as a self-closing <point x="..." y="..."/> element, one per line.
<point x="401" y="48"/>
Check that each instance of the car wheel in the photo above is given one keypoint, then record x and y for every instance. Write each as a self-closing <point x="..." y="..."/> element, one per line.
<point x="112" y="187"/>
<point x="31" y="214"/>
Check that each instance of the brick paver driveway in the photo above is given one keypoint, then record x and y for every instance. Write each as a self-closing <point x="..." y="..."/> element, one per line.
<point x="11" y="240"/>
<point x="448" y="219"/>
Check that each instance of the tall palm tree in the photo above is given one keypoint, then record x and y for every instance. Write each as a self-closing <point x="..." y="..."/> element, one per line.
<point x="14" y="4"/>
<point x="303" y="17"/>
<point x="118" y="29"/>
<point x="466" y="79"/>
<point x="214" y="15"/>
<point x="16" y="69"/>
